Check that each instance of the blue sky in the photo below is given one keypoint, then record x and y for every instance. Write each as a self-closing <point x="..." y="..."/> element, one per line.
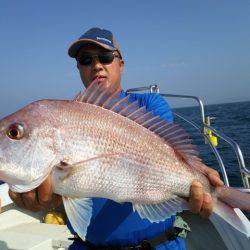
<point x="197" y="48"/>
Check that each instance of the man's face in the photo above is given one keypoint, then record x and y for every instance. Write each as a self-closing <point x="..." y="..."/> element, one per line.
<point x="104" y="72"/>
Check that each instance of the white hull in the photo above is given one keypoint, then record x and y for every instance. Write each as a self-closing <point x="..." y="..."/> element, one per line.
<point x="21" y="229"/>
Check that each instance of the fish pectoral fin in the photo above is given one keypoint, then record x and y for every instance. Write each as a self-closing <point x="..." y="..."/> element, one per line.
<point x="100" y="156"/>
<point x="161" y="211"/>
<point x="79" y="212"/>
<point x="64" y="168"/>
<point x="67" y="167"/>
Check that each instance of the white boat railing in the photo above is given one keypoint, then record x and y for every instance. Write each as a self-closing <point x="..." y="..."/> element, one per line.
<point x="203" y="128"/>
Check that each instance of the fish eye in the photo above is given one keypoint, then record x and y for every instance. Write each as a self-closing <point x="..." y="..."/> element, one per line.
<point x="15" y="131"/>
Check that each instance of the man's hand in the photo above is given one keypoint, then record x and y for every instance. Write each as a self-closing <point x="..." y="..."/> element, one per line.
<point x="200" y="202"/>
<point x="41" y="198"/>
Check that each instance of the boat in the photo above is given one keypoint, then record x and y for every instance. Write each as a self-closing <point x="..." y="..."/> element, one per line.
<point x="22" y="229"/>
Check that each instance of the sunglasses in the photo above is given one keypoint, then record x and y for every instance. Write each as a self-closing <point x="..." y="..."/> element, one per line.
<point x="104" y="58"/>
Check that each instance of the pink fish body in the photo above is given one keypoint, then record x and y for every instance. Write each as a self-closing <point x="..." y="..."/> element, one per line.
<point x="97" y="147"/>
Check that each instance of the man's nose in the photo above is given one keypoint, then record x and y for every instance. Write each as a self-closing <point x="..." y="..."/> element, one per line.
<point x="96" y="64"/>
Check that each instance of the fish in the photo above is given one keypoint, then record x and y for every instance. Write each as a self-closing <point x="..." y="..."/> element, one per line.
<point x="101" y="145"/>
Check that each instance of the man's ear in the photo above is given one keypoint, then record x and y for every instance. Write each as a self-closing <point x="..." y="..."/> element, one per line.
<point x="121" y="66"/>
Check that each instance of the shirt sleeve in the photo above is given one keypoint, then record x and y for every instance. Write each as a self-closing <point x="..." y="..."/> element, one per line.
<point x="157" y="103"/>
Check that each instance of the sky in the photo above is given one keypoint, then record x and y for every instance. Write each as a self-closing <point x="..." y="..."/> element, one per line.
<point x="199" y="48"/>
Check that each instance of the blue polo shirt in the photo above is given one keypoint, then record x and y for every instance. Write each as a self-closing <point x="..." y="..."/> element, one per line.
<point x="116" y="224"/>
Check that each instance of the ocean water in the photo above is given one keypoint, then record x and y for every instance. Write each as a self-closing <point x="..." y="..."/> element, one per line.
<point x="233" y="119"/>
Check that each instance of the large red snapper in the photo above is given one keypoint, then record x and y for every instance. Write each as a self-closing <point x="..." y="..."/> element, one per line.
<point x="101" y="146"/>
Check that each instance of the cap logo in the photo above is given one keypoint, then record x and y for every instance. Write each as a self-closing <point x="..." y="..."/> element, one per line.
<point x="104" y="39"/>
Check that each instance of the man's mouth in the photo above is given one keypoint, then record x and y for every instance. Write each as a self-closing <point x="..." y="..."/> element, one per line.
<point x="99" y="77"/>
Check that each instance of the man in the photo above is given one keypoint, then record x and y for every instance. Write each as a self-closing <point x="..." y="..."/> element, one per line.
<point x="99" y="57"/>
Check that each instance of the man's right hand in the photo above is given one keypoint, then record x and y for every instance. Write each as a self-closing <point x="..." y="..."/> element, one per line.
<point x="41" y="198"/>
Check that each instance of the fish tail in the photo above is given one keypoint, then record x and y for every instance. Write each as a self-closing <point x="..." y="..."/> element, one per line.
<point x="227" y="206"/>
<point x="234" y="198"/>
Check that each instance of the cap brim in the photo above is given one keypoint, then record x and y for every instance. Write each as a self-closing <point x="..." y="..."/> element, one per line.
<point x="74" y="47"/>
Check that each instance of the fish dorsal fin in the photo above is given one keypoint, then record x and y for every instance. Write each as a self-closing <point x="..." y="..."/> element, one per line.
<point x="103" y="95"/>
<point x="107" y="96"/>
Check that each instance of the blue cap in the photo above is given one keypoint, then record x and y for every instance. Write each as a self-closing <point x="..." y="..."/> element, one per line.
<point x="101" y="37"/>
